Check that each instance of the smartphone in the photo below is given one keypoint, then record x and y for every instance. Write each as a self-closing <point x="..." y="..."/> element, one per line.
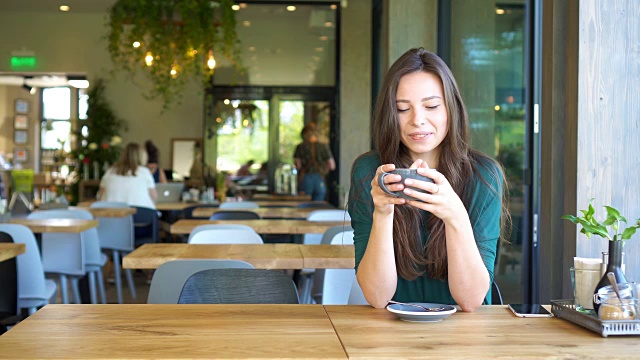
<point x="529" y="310"/>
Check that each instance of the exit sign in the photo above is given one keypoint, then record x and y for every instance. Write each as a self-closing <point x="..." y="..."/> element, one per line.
<point x="23" y="62"/>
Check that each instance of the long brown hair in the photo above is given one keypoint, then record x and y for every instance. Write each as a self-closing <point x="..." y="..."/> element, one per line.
<point x="132" y="157"/>
<point x="458" y="163"/>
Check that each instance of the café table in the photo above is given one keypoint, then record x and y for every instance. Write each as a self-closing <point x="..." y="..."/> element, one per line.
<point x="264" y="212"/>
<point x="491" y="332"/>
<point x="281" y="197"/>
<point x="261" y="256"/>
<point x="263" y="226"/>
<point x="290" y="203"/>
<point x="57" y="225"/>
<point x="140" y="331"/>
<point x="111" y="212"/>
<point x="11" y="250"/>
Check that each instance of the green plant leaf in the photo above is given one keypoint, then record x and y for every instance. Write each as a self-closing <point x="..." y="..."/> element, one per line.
<point x="612" y="212"/>
<point x="576" y="220"/>
<point x="596" y="229"/>
<point x="628" y="233"/>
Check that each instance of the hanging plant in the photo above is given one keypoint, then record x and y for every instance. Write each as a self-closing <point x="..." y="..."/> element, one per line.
<point x="172" y="41"/>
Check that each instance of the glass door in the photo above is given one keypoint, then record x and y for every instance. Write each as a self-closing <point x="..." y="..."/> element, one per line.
<point x="487" y="47"/>
<point x="264" y="125"/>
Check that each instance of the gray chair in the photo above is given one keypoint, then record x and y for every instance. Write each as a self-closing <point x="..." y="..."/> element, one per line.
<point x="239" y="205"/>
<point x="234" y="215"/>
<point x="169" y="278"/>
<point x="239" y="286"/>
<point x="315" y="286"/>
<point x="117" y="236"/>
<point x="496" y="296"/>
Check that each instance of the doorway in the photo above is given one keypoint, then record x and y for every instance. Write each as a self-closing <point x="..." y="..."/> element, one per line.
<point x="263" y="124"/>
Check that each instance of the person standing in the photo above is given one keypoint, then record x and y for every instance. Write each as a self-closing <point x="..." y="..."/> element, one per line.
<point x="313" y="161"/>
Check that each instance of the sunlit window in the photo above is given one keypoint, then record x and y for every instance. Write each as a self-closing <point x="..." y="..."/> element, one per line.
<point x="83" y="104"/>
<point x="56" y="103"/>
<point x="55" y="135"/>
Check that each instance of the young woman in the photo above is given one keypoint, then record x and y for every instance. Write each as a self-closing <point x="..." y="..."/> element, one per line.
<point x="441" y="247"/>
<point x="152" y="162"/>
<point x="128" y="180"/>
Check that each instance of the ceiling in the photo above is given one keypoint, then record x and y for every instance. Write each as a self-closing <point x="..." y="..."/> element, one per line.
<point x="278" y="47"/>
<point x="81" y="6"/>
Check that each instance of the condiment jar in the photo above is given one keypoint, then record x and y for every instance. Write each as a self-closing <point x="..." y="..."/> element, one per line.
<point x="613" y="308"/>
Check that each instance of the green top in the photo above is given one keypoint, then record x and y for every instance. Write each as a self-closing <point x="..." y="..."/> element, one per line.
<point x="484" y="212"/>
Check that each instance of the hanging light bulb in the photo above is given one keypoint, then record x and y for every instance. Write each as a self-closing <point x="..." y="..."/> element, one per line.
<point x="211" y="63"/>
<point x="174" y="70"/>
<point x="149" y="59"/>
<point x="136" y="44"/>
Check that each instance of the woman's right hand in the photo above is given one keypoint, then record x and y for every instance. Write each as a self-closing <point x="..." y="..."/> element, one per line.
<point x="383" y="202"/>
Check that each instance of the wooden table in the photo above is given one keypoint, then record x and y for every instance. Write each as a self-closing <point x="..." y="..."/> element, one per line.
<point x="57" y="225"/>
<point x="264" y="226"/>
<point x="11" y="250"/>
<point x="289" y="203"/>
<point x="264" y="212"/>
<point x="491" y="332"/>
<point x="281" y="197"/>
<point x="140" y="331"/>
<point x="112" y="212"/>
<point x="261" y="256"/>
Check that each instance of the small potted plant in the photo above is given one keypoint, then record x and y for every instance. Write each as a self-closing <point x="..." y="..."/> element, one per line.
<point x="611" y="225"/>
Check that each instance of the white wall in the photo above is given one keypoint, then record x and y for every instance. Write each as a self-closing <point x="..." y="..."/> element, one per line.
<point x="74" y="43"/>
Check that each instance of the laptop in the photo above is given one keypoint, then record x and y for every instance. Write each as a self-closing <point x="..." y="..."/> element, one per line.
<point x="169" y="192"/>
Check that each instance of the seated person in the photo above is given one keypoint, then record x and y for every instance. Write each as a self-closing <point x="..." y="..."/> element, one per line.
<point x="245" y="169"/>
<point x="128" y="180"/>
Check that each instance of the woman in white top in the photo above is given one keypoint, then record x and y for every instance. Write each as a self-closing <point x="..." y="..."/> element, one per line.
<point x="129" y="181"/>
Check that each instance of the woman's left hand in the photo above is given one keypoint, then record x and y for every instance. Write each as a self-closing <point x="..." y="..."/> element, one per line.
<point x="438" y="197"/>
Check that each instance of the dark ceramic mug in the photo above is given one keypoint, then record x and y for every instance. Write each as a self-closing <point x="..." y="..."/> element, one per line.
<point x="405" y="174"/>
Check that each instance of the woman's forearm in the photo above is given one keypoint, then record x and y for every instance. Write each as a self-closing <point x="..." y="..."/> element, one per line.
<point x="377" y="270"/>
<point x="467" y="275"/>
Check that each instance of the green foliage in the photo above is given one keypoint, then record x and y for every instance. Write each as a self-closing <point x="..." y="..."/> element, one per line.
<point x="179" y="34"/>
<point x="592" y="226"/>
<point x="103" y="139"/>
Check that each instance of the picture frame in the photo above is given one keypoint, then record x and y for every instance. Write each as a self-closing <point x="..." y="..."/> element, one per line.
<point x="20" y="155"/>
<point x="21" y="106"/>
<point x="20" y="137"/>
<point x="20" y="122"/>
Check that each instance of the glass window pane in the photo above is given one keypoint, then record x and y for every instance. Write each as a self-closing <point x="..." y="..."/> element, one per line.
<point x="487" y="59"/>
<point x="56" y="103"/>
<point x="291" y="122"/>
<point x="83" y="104"/>
<point x="242" y="133"/>
<point x="55" y="134"/>
<point x="281" y="47"/>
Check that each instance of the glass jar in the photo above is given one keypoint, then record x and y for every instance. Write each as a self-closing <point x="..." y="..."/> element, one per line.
<point x="614" y="308"/>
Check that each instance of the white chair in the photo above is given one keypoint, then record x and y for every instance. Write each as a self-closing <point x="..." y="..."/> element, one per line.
<point x="199" y="228"/>
<point x="356" y="297"/>
<point x="335" y="284"/>
<point x="306" y="275"/>
<point x="117" y="236"/>
<point x="239" y="205"/>
<point x="169" y="278"/>
<point x="73" y="254"/>
<point x="226" y="236"/>
<point x="33" y="289"/>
